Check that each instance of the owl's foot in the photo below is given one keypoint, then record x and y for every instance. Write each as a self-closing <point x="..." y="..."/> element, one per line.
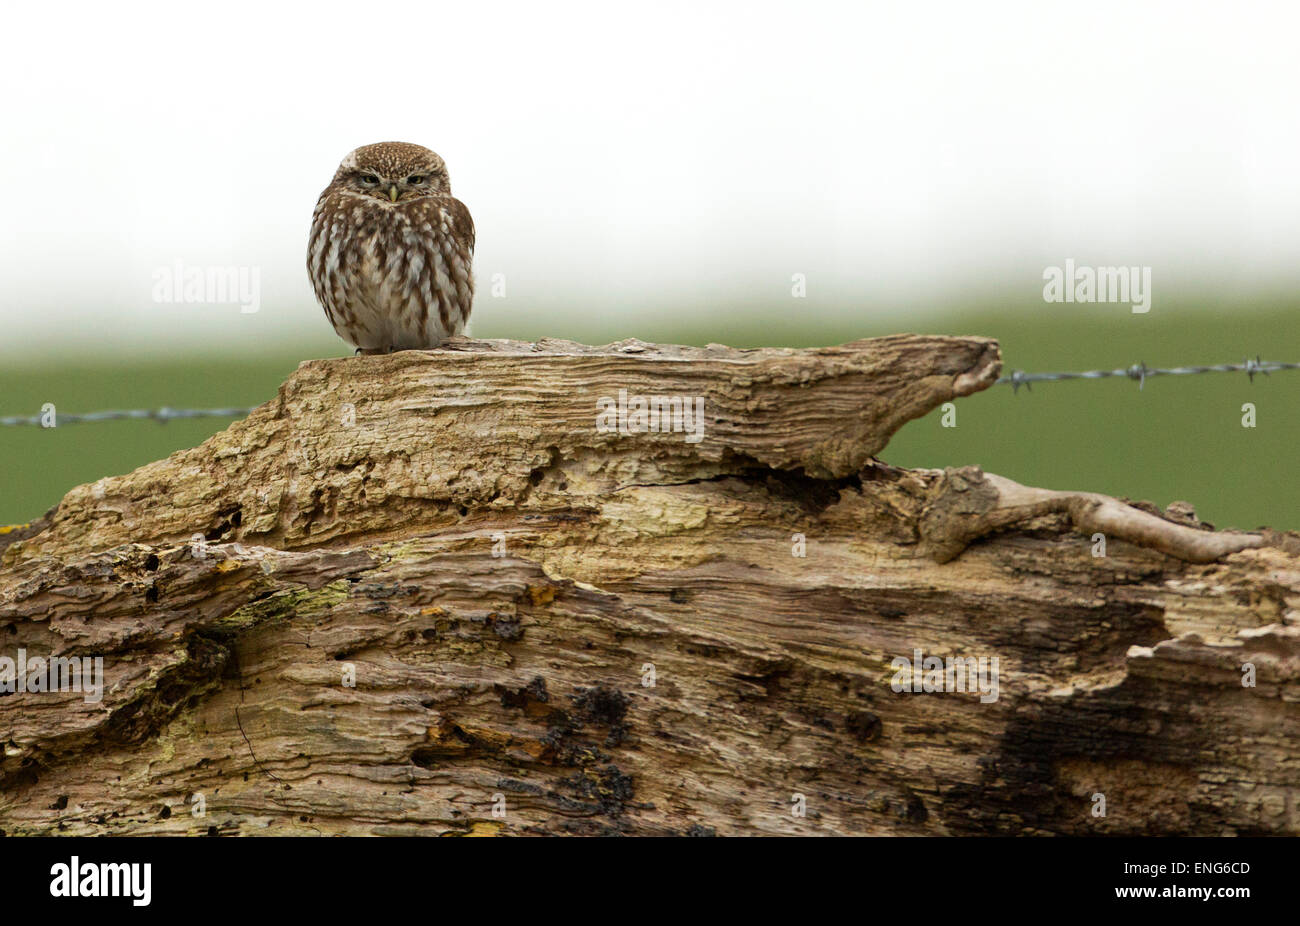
<point x="372" y="350"/>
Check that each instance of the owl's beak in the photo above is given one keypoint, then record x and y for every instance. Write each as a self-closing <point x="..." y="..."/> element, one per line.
<point x="392" y="193"/>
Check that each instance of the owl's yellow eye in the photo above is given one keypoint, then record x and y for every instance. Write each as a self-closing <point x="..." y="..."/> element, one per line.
<point x="369" y="179"/>
<point x="415" y="179"/>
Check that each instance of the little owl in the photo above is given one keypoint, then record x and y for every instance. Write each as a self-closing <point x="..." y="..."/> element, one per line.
<point x="390" y="250"/>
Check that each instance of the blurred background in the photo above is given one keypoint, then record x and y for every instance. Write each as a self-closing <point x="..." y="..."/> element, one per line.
<point x="665" y="173"/>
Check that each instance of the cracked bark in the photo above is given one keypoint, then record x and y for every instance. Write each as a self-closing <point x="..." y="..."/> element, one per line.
<point x="504" y="579"/>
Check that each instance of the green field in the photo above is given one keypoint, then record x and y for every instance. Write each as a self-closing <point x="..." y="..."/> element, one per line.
<point x="1177" y="439"/>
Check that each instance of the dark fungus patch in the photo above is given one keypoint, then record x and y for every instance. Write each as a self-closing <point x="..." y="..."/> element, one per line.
<point x="519" y="698"/>
<point x="606" y="786"/>
<point x="864" y="726"/>
<point x="505" y="626"/>
<point x="603" y="706"/>
<point x="916" y="812"/>
<point x="515" y="786"/>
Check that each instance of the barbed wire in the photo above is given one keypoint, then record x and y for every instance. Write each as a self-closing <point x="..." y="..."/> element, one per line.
<point x="1141" y="372"/>
<point x="1017" y="378"/>
<point x="161" y="415"/>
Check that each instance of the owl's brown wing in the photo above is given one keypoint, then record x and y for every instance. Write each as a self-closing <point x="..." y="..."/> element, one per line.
<point x="323" y="247"/>
<point x="464" y="224"/>
<point x="450" y="271"/>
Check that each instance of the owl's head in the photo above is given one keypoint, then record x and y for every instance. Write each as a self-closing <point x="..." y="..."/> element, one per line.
<point x="393" y="171"/>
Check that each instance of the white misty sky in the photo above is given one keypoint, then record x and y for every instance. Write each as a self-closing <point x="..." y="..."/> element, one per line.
<point x="652" y="159"/>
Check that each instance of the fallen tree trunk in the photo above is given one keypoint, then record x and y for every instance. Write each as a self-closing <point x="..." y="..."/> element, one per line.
<point x="466" y="591"/>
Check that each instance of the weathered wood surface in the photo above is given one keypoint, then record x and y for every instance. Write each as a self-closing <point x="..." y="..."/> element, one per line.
<point x="504" y="579"/>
